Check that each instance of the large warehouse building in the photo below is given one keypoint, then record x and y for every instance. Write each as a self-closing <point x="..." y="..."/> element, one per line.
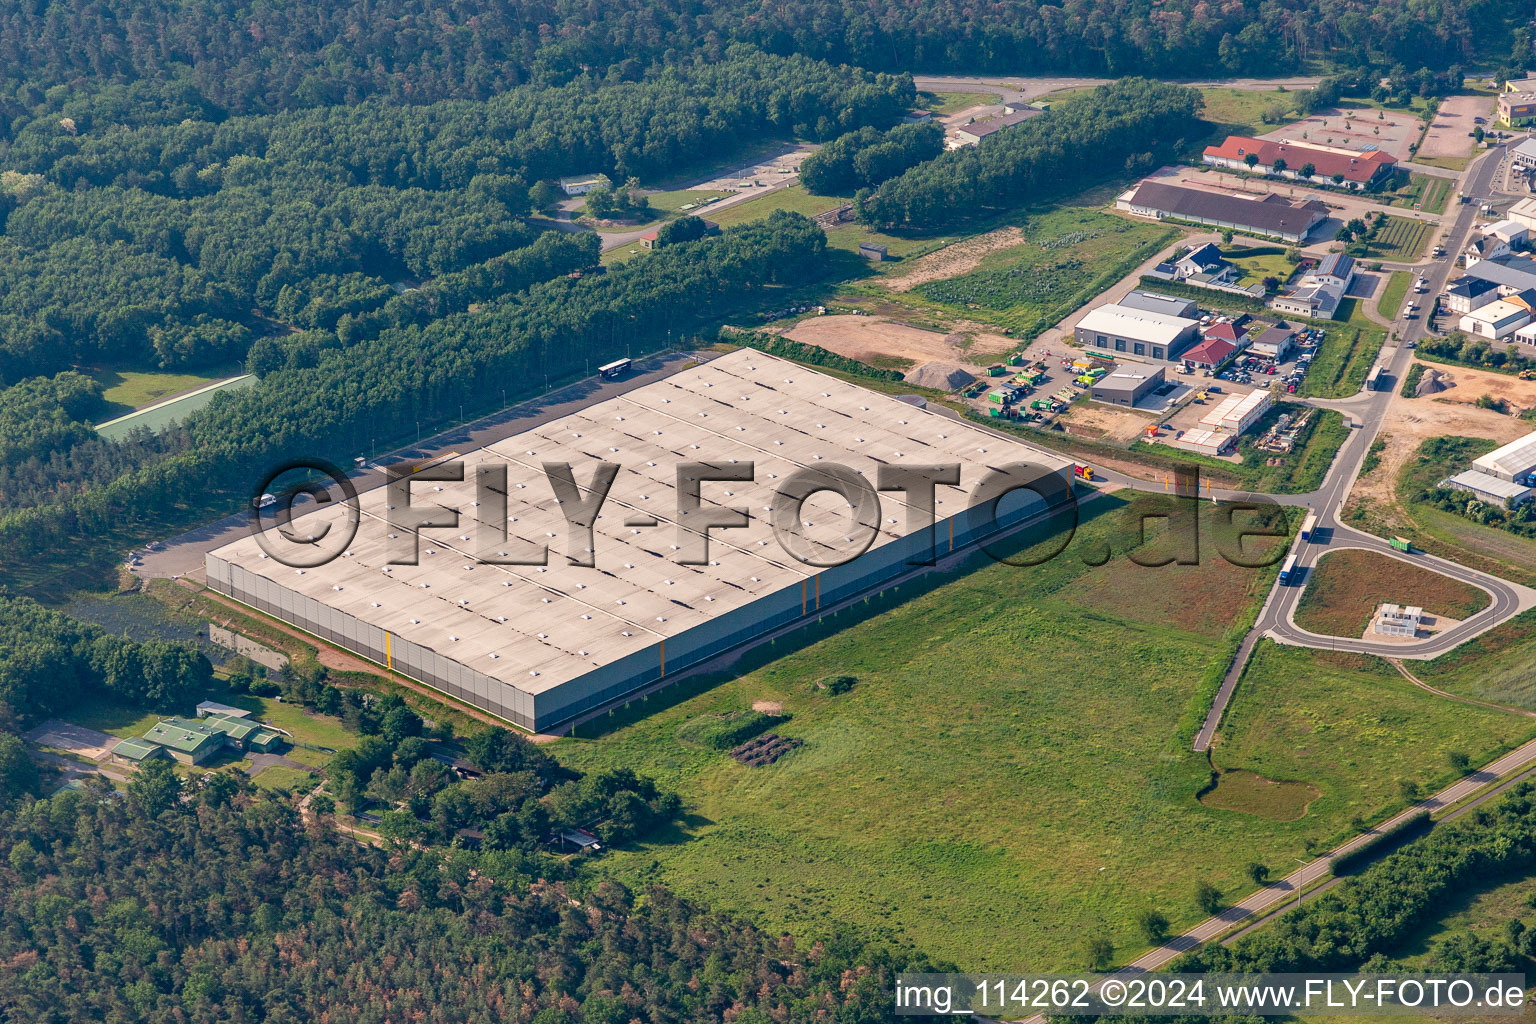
<point x="539" y="645"/>
<point x="1138" y="333"/>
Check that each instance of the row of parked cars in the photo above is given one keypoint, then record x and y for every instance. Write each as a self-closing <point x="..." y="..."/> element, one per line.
<point x="1244" y="370"/>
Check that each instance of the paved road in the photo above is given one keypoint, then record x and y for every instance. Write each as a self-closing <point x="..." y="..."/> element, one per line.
<point x="1274" y="895"/>
<point x="1023" y="88"/>
<point x="1366" y="411"/>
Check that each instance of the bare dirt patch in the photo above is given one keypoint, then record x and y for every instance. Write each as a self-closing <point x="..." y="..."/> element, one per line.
<point x="1107" y="423"/>
<point x="1472" y="384"/>
<point x="1345" y="589"/>
<point x="954" y="260"/>
<point x="768" y="707"/>
<point x="1447" y="135"/>
<point x="876" y="340"/>
<point x="1412" y="421"/>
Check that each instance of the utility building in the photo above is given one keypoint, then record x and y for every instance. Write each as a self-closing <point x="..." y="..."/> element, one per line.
<point x="1126" y="387"/>
<point x="1394" y="620"/>
<point x="540" y="644"/>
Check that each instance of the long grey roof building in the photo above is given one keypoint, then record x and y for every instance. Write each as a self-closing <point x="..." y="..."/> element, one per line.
<point x="1273" y="215"/>
<point x="538" y="645"/>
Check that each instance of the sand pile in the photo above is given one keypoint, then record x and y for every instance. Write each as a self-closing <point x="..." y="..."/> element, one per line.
<point x="939" y="376"/>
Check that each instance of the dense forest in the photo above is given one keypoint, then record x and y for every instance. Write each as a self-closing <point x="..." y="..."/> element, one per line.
<point x="176" y="244"/>
<point x="227" y="907"/>
<point x="236" y="57"/>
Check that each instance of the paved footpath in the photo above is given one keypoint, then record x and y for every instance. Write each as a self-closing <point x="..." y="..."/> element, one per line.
<point x="1288" y="888"/>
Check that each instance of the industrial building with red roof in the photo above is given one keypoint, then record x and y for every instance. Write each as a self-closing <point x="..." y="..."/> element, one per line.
<point x="1356" y="168"/>
<point x="1210" y="353"/>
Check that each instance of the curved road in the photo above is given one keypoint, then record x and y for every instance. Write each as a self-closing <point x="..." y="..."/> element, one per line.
<point x="1365" y="411"/>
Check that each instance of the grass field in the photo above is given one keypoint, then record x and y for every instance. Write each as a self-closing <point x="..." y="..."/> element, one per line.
<point x="115" y="719"/>
<point x="1069" y="255"/>
<point x="1242" y="111"/>
<point x="1400" y="238"/>
<point x="1345" y="356"/>
<point x="1392" y="296"/>
<point x="1450" y="163"/>
<point x="127" y="390"/>
<point x="1250" y="793"/>
<point x="792" y="197"/>
<point x="953" y="102"/>
<point x="1500" y="667"/>
<point x="1012" y="732"/>
<point x="1352" y="727"/>
<point x="280" y="777"/>
<point x="673" y="202"/>
<point x="1345" y="588"/>
<point x="1256" y="268"/>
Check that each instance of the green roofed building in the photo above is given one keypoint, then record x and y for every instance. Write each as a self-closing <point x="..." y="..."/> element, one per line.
<point x="266" y="742"/>
<point x="192" y="745"/>
<point x="137" y="751"/>
<point x="236" y="732"/>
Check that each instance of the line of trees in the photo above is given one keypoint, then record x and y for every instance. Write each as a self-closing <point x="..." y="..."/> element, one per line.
<point x="1366" y="916"/>
<point x="867" y="157"/>
<point x="1120" y="127"/>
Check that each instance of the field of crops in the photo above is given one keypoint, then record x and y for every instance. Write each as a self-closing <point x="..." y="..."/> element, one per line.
<point x="1068" y="256"/>
<point x="1424" y="192"/>
<point x="1401" y="239"/>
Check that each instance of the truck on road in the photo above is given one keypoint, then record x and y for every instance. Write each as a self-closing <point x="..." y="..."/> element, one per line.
<point x="1402" y="544"/>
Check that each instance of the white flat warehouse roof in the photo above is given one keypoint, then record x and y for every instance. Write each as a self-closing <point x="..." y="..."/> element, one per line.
<point x="1514" y="458"/>
<point x="1506" y="489"/>
<point x="1140" y="324"/>
<point x="535" y="627"/>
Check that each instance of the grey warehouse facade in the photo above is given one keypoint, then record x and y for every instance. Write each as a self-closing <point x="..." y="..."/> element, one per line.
<point x="539" y="645"/>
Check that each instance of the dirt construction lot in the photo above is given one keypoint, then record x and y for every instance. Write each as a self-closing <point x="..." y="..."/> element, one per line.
<point x="1447" y="135"/>
<point x="1090" y="419"/>
<point x="1412" y="421"/>
<point x="1472" y="384"/>
<point x="875" y="340"/>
